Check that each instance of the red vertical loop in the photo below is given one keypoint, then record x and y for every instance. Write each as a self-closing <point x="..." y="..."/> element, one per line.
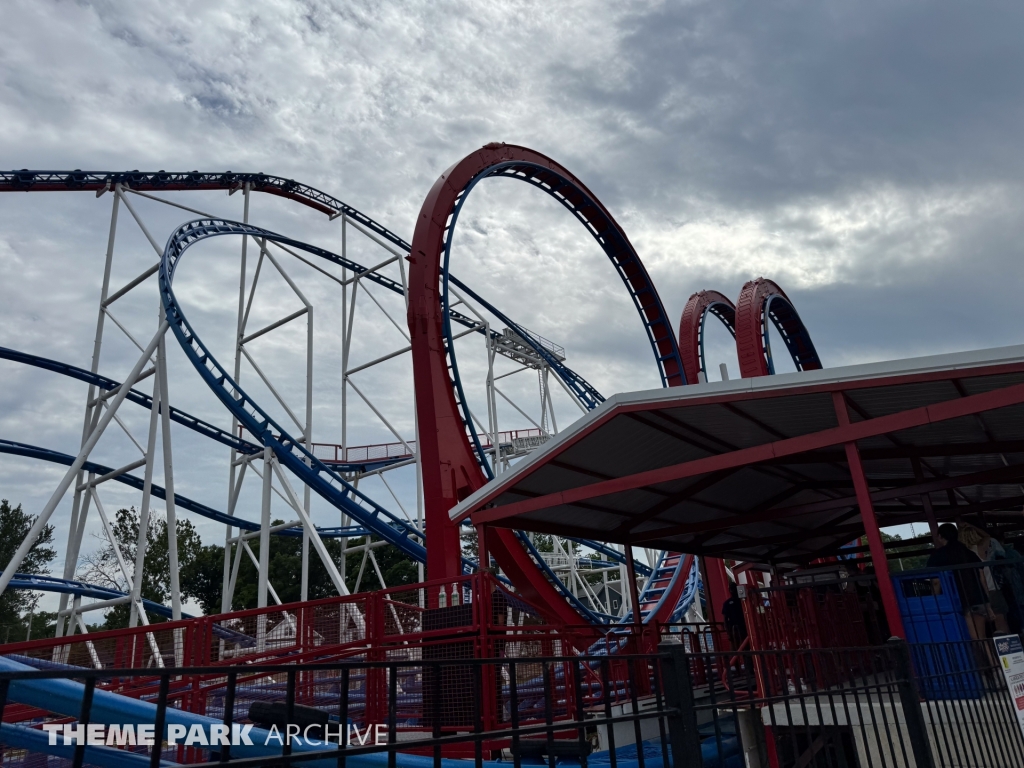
<point x="450" y="469"/>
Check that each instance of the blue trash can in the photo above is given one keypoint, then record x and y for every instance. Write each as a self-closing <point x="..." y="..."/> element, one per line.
<point x="940" y="645"/>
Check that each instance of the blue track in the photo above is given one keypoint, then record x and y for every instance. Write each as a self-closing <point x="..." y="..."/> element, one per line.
<point x="301" y="462"/>
<point x="182" y="502"/>
<point x="331" y="486"/>
<point x="210" y="431"/>
<point x="71" y="587"/>
<point x="310" y="470"/>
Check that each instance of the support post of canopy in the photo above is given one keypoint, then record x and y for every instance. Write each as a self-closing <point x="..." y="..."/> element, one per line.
<point x="483" y="552"/>
<point x="634" y="593"/>
<point x="926" y="502"/>
<point x="867" y="516"/>
<point x="716" y="584"/>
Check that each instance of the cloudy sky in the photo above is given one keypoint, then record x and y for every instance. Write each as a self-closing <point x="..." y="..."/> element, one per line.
<point x="866" y="156"/>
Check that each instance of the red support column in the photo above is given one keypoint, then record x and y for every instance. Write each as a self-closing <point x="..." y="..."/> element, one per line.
<point x="926" y="502"/>
<point x="716" y="584"/>
<point x="867" y="516"/>
<point x="634" y="593"/>
<point x="483" y="548"/>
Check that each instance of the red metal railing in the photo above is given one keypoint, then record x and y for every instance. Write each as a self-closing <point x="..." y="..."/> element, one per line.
<point x="479" y="620"/>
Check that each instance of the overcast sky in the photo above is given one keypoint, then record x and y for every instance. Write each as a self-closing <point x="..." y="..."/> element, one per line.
<point x="866" y="156"/>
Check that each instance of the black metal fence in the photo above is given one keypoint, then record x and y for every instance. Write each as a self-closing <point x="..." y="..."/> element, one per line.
<point x="523" y="711"/>
<point x="871" y="707"/>
<point x="890" y="706"/>
<point x="967" y="704"/>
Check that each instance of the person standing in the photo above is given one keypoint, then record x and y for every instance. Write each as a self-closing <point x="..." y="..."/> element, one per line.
<point x="732" y="615"/>
<point x="974" y="601"/>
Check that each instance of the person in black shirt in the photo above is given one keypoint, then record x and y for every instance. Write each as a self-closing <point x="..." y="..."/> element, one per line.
<point x="974" y="602"/>
<point x="732" y="615"/>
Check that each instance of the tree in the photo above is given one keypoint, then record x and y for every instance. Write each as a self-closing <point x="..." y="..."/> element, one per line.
<point x="285" y="570"/>
<point x="15" y="525"/>
<point x="905" y="563"/>
<point x="102" y="568"/>
<point x="202" y="579"/>
<point x="201" y="567"/>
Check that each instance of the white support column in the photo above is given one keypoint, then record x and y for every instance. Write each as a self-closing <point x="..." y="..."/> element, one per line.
<point x="345" y="519"/>
<point x="268" y="478"/>
<point x="76" y="466"/>
<point x="420" y="570"/>
<point x="492" y="410"/>
<point x="226" y="589"/>
<point x="142" y="542"/>
<point x="74" y="544"/>
<point x="550" y="403"/>
<point x="264" y="566"/>
<point x="318" y="544"/>
<point x="624" y="591"/>
<point x="344" y="344"/>
<point x="172" y="516"/>
<point x="308" y="434"/>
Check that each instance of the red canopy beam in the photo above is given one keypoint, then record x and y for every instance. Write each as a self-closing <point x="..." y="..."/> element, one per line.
<point x="844" y="433"/>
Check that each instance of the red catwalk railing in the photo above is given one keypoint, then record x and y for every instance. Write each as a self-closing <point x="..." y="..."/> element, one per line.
<point x="479" y="619"/>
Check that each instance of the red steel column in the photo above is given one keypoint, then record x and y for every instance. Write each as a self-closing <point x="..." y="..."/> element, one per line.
<point x="867" y="516"/>
<point x="717" y="586"/>
<point x="926" y="502"/>
<point x="634" y="592"/>
<point x="483" y="548"/>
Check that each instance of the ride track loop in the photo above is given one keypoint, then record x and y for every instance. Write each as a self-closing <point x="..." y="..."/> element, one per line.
<point x="300" y="461"/>
<point x="320" y="477"/>
<point x="762" y="300"/>
<point x="447" y="439"/>
<point x="659" y="601"/>
<point x="747" y="321"/>
<point x="691" y="329"/>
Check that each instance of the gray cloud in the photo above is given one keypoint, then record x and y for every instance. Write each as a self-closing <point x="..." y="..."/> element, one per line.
<point x="865" y="156"/>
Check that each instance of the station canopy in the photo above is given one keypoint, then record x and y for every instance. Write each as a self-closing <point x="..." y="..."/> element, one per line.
<point x="760" y="469"/>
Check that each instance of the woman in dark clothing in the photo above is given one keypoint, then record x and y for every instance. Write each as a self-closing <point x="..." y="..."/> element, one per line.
<point x="974" y="602"/>
<point x="732" y="615"/>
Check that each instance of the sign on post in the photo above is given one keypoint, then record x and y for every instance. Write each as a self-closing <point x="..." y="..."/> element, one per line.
<point x="1011" y="661"/>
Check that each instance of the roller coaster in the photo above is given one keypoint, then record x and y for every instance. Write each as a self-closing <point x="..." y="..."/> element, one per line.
<point x="455" y="450"/>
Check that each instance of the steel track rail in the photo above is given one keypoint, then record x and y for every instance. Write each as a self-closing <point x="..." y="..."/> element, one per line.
<point x="310" y="470"/>
<point x="214" y="433"/>
<point x="55" y="457"/>
<point x="102" y="181"/>
<point x="435" y="362"/>
<point x="762" y="302"/>
<point x="302" y="463"/>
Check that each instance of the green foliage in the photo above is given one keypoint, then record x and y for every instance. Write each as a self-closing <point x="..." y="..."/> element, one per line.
<point x="202" y="579"/>
<point x="15" y="525"/>
<point x="285" y="570"/>
<point x="905" y="563"/>
<point x="200" y="570"/>
<point x="102" y="568"/>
